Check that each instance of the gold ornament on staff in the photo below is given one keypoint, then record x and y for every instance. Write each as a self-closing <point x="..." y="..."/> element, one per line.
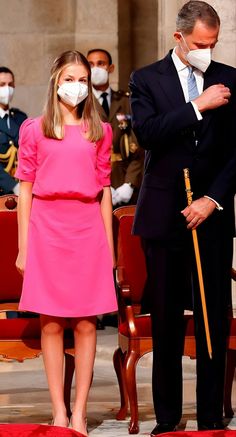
<point x="199" y="267"/>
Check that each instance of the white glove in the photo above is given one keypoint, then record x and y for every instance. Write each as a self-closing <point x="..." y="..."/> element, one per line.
<point x="113" y="196"/>
<point x="16" y="189"/>
<point x="124" y="193"/>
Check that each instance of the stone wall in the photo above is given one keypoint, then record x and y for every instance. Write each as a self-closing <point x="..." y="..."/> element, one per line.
<point x="136" y="32"/>
<point x="225" y="50"/>
<point x="34" y="32"/>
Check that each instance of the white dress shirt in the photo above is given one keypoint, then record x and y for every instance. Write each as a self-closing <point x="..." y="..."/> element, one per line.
<point x="98" y="93"/>
<point x="3" y="112"/>
<point x="183" y="72"/>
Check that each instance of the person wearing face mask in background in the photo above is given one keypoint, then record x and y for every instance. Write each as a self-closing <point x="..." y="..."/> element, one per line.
<point x="64" y="223"/>
<point x="127" y="157"/>
<point x="10" y="121"/>
<point x="183" y="109"/>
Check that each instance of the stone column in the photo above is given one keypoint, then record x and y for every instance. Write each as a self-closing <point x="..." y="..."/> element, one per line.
<point x="96" y="26"/>
<point x="225" y="50"/>
<point x="137" y="37"/>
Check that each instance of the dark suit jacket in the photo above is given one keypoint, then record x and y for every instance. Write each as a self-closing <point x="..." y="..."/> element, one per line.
<point x="17" y="117"/>
<point x="167" y="127"/>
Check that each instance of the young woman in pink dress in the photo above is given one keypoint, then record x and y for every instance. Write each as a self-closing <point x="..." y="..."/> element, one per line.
<point x="65" y="226"/>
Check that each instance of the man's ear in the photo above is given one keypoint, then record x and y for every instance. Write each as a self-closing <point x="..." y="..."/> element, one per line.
<point x="177" y="37"/>
<point x="111" y="68"/>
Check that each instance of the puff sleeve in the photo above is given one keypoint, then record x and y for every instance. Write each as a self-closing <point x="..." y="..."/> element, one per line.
<point x="27" y="155"/>
<point x="104" y="156"/>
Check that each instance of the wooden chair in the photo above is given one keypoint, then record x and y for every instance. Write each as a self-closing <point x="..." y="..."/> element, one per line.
<point x="20" y="335"/>
<point x="134" y="328"/>
<point x="231" y="362"/>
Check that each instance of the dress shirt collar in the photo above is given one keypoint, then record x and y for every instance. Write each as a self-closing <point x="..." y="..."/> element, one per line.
<point x="98" y="93"/>
<point x="3" y="112"/>
<point x="179" y="65"/>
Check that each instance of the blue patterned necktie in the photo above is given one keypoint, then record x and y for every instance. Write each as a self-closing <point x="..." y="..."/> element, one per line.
<point x="192" y="85"/>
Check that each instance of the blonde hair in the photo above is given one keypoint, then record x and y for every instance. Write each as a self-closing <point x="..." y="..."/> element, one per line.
<point x="52" y="121"/>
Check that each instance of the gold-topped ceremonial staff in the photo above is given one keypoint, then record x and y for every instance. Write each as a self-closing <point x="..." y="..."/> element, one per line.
<point x="199" y="267"/>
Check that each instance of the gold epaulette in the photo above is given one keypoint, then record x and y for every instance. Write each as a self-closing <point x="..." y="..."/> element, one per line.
<point x="10" y="159"/>
<point x="116" y="157"/>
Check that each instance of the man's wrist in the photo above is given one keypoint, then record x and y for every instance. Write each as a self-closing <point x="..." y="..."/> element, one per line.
<point x="218" y="206"/>
<point x="197" y="111"/>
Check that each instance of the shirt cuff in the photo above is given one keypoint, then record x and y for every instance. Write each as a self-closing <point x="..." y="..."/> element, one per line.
<point x="218" y="206"/>
<point x="197" y="112"/>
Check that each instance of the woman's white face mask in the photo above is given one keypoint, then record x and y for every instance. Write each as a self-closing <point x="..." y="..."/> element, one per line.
<point x="6" y="94"/>
<point x="199" y="58"/>
<point x="73" y="93"/>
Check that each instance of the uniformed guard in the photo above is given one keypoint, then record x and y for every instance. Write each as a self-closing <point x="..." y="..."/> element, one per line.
<point x="113" y="106"/>
<point x="10" y="121"/>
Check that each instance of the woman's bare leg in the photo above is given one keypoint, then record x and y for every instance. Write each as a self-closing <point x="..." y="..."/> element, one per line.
<point x="85" y="348"/>
<point x="52" y="338"/>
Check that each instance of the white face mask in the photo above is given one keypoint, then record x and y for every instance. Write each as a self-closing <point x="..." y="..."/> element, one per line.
<point x="73" y="93"/>
<point x="99" y="76"/>
<point x="6" y="94"/>
<point x="199" y="58"/>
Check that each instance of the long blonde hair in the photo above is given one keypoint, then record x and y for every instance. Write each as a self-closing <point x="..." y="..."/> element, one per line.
<point x="52" y="121"/>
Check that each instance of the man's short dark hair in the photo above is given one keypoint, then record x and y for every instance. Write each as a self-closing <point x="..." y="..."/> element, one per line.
<point x="6" y="70"/>
<point x="101" y="50"/>
<point x="195" y="10"/>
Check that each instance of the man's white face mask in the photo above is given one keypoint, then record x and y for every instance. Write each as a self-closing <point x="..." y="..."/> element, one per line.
<point x="199" y="58"/>
<point x="99" y="76"/>
<point x="6" y="94"/>
<point x="73" y="93"/>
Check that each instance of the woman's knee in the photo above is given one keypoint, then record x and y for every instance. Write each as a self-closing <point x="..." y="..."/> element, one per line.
<point x="85" y="327"/>
<point x="52" y="325"/>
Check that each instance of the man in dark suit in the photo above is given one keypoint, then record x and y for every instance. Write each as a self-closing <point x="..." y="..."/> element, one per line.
<point x="185" y="118"/>
<point x="10" y="121"/>
<point x="127" y="157"/>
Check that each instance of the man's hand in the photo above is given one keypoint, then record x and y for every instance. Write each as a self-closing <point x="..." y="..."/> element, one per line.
<point x="198" y="211"/>
<point x="124" y="193"/>
<point x="213" y="97"/>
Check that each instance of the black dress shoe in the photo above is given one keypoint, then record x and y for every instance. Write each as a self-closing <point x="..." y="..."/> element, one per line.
<point x="211" y="426"/>
<point x="163" y="427"/>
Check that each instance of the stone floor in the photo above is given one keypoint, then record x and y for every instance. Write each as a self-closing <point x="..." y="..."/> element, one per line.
<point x="24" y="395"/>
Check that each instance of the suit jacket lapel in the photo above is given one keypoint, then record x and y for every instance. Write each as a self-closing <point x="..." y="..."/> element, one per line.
<point x="14" y="128"/>
<point x="115" y="107"/>
<point x="101" y="111"/>
<point x="3" y="127"/>
<point x="169" y="81"/>
<point x="210" y="78"/>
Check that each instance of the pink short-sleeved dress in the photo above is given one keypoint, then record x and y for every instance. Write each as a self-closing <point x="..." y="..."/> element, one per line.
<point x="68" y="270"/>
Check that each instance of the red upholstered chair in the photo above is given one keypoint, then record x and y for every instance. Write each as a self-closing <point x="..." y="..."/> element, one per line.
<point x="20" y="336"/>
<point x="134" y="328"/>
<point x="231" y="363"/>
<point x="29" y="430"/>
<point x="217" y="433"/>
